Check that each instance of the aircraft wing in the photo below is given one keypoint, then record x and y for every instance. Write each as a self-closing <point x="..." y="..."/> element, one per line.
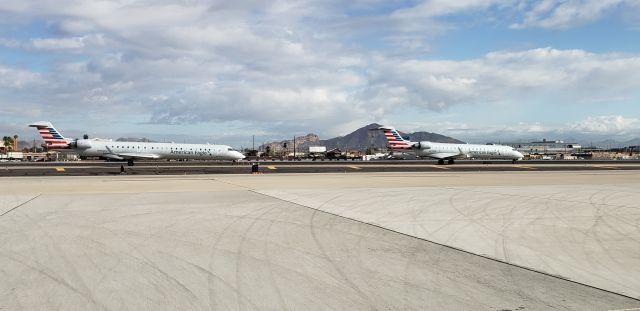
<point x="128" y="155"/>
<point x="449" y="155"/>
<point x="443" y="155"/>
<point x="138" y="155"/>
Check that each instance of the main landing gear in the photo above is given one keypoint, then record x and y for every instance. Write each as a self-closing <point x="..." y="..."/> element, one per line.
<point x="130" y="162"/>
<point x="514" y="161"/>
<point x="441" y="161"/>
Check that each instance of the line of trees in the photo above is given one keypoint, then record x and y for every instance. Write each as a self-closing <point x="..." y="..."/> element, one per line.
<point x="9" y="142"/>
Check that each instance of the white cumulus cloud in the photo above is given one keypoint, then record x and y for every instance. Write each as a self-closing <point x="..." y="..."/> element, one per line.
<point x="611" y="125"/>
<point x="572" y="75"/>
<point x="70" y="43"/>
<point x="302" y="63"/>
<point x="563" y="14"/>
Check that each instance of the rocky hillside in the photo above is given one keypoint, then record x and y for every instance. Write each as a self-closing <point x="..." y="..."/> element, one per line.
<point x="302" y="143"/>
<point x="366" y="137"/>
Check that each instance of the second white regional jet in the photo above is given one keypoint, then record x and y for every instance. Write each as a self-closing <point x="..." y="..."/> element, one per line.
<point x="449" y="152"/>
<point x="116" y="150"/>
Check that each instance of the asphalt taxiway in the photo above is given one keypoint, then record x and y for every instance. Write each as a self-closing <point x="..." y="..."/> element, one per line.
<point x="381" y="241"/>
<point x="95" y="168"/>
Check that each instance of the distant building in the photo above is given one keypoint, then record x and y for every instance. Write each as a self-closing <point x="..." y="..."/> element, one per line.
<point x="317" y="149"/>
<point x="545" y="147"/>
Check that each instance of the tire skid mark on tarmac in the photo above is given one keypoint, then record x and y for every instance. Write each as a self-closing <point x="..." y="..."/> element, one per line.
<point x="209" y="274"/>
<point x="359" y="236"/>
<point x="411" y="257"/>
<point x="450" y="221"/>
<point x="61" y="255"/>
<point x="336" y="267"/>
<point x="214" y="251"/>
<point x="508" y="220"/>
<point x="240" y="255"/>
<point x="58" y="280"/>
<point x="528" y="196"/>
<point x="146" y="261"/>
<point x="548" y="208"/>
<point x="268" y="256"/>
<point x="350" y="283"/>
<point x="151" y="264"/>
<point x="555" y="276"/>
<point x="597" y="225"/>
<point x="5" y="276"/>
<point x="609" y="212"/>
<point x="471" y="217"/>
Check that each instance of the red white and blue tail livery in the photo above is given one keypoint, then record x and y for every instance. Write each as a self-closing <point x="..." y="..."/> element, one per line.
<point x="396" y="142"/>
<point x="52" y="138"/>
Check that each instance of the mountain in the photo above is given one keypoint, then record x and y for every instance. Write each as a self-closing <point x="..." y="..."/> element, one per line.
<point x="612" y="143"/>
<point x="632" y="142"/>
<point x="359" y="139"/>
<point x="28" y="144"/>
<point x="366" y="137"/>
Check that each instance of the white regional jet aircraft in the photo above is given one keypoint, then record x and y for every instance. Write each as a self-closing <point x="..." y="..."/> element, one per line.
<point x="116" y="150"/>
<point x="449" y="152"/>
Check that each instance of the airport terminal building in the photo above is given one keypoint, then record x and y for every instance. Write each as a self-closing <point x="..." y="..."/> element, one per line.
<point x="547" y="147"/>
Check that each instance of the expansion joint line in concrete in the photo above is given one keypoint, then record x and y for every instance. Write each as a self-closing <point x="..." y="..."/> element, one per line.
<point x="447" y="246"/>
<point x="21" y="204"/>
<point x="236" y="185"/>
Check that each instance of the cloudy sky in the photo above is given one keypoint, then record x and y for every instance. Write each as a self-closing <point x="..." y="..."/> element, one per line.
<point x="221" y="71"/>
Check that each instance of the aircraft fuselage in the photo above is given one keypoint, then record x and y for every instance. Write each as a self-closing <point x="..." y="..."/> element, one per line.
<point x="140" y="150"/>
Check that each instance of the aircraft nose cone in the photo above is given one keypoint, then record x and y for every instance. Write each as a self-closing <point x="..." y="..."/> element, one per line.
<point x="239" y="155"/>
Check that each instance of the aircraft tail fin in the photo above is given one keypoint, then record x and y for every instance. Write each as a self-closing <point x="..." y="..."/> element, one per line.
<point x="52" y="138"/>
<point x="395" y="140"/>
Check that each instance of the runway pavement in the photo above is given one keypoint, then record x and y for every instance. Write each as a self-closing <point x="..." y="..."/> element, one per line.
<point x="95" y="168"/>
<point x="381" y="241"/>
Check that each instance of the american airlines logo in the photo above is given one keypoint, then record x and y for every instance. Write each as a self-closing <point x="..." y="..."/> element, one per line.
<point x="188" y="152"/>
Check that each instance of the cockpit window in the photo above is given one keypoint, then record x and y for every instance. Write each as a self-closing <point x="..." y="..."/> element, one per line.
<point x="231" y="149"/>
